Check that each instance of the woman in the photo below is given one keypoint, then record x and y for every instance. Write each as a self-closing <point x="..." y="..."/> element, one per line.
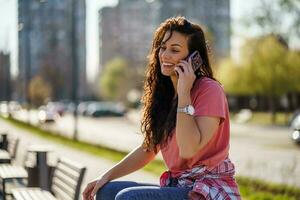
<point x="185" y="116"/>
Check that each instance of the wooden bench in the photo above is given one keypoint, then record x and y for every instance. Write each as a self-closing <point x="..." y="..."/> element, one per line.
<point x="7" y="156"/>
<point x="66" y="183"/>
<point x="11" y="176"/>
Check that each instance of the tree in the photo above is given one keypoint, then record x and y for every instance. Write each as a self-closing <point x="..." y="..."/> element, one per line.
<point x="39" y="91"/>
<point x="115" y="80"/>
<point x="279" y="17"/>
<point x="53" y="75"/>
<point x="233" y="77"/>
<point x="267" y="68"/>
<point x="293" y="62"/>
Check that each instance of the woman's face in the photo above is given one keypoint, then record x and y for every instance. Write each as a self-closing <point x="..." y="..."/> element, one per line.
<point x="172" y="51"/>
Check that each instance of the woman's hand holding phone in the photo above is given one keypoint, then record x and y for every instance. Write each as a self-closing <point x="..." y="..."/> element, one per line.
<point x="186" y="77"/>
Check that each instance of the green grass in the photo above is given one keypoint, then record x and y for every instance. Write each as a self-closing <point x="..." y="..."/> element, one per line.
<point x="257" y="189"/>
<point x="251" y="189"/>
<point x="108" y="153"/>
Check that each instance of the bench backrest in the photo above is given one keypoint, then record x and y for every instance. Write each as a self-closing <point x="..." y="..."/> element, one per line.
<point x="67" y="180"/>
<point x="12" y="146"/>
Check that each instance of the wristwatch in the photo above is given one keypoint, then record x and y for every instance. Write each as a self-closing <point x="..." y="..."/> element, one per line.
<point x="189" y="109"/>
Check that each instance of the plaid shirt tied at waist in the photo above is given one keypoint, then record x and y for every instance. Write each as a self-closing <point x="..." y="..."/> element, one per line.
<point x="205" y="183"/>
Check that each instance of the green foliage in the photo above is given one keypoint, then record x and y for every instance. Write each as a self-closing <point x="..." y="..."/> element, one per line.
<point x="114" y="79"/>
<point x="117" y="79"/>
<point x="267" y="68"/>
<point x="39" y="91"/>
<point x="293" y="63"/>
<point x="233" y="77"/>
<point x="265" y="63"/>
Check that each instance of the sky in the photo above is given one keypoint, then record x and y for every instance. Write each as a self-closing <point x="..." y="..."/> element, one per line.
<point x="9" y="37"/>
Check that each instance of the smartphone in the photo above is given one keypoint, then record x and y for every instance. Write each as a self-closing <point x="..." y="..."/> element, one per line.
<point x="196" y="60"/>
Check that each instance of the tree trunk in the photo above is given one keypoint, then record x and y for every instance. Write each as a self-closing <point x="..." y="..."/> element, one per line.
<point x="272" y="108"/>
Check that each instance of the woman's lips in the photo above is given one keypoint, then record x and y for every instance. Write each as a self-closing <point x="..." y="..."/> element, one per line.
<point x="167" y="65"/>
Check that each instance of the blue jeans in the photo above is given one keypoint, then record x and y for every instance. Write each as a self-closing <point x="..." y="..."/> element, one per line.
<point x="128" y="190"/>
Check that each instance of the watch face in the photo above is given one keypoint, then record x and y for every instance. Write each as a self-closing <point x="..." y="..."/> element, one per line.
<point x="191" y="110"/>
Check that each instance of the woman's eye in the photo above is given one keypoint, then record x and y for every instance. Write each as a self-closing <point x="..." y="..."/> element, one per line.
<point x="175" y="51"/>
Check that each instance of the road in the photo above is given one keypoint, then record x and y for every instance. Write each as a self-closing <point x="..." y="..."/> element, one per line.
<point x="264" y="152"/>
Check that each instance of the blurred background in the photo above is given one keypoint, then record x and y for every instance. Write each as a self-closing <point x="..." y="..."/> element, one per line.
<point x="77" y="67"/>
<point x="59" y="51"/>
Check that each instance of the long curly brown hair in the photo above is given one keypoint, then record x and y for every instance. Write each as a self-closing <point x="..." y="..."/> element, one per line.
<point x="159" y="104"/>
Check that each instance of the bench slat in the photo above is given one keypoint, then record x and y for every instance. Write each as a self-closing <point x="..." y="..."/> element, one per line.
<point x="71" y="164"/>
<point x="11" y="172"/>
<point x="66" y="182"/>
<point x="63" y="188"/>
<point x="32" y="194"/>
<point x="67" y="171"/>
<point x="4" y="156"/>
<point x="26" y="194"/>
<point x="63" y="177"/>
<point x="60" y="194"/>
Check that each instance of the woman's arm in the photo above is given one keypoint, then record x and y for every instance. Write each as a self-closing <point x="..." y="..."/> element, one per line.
<point x="135" y="160"/>
<point x="193" y="133"/>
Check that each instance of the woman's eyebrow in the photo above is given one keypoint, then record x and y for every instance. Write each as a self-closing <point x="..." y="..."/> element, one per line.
<point x="176" y="45"/>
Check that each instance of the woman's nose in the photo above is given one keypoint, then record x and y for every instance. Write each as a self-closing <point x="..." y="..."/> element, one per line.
<point x="166" y="55"/>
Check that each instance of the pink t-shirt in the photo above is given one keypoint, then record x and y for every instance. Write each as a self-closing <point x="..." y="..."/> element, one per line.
<point x="208" y="99"/>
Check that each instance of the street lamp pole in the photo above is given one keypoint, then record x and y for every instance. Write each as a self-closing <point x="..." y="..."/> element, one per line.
<point x="8" y="84"/>
<point x="74" y="69"/>
<point x="27" y="56"/>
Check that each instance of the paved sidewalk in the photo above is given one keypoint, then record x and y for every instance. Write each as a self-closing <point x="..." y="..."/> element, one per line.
<point x="95" y="165"/>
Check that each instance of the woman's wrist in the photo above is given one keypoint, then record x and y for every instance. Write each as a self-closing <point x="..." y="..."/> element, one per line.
<point x="105" y="177"/>
<point x="184" y="100"/>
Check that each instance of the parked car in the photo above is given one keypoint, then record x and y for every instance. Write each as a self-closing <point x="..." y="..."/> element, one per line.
<point x="105" y="109"/>
<point x="295" y="125"/>
<point x="56" y="107"/>
<point x="45" y="115"/>
<point x="83" y="107"/>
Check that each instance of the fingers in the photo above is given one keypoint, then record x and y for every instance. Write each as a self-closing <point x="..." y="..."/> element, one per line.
<point x="97" y="185"/>
<point x="87" y="192"/>
<point x="184" y="66"/>
<point x="93" y="193"/>
<point x="179" y="71"/>
<point x="95" y="189"/>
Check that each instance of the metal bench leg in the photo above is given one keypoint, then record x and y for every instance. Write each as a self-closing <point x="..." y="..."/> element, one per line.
<point x="44" y="173"/>
<point x="3" y="189"/>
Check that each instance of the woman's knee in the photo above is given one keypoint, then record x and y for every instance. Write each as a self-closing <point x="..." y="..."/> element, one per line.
<point x="126" y="194"/>
<point x="139" y="193"/>
<point x="110" y="190"/>
<point x="106" y="192"/>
